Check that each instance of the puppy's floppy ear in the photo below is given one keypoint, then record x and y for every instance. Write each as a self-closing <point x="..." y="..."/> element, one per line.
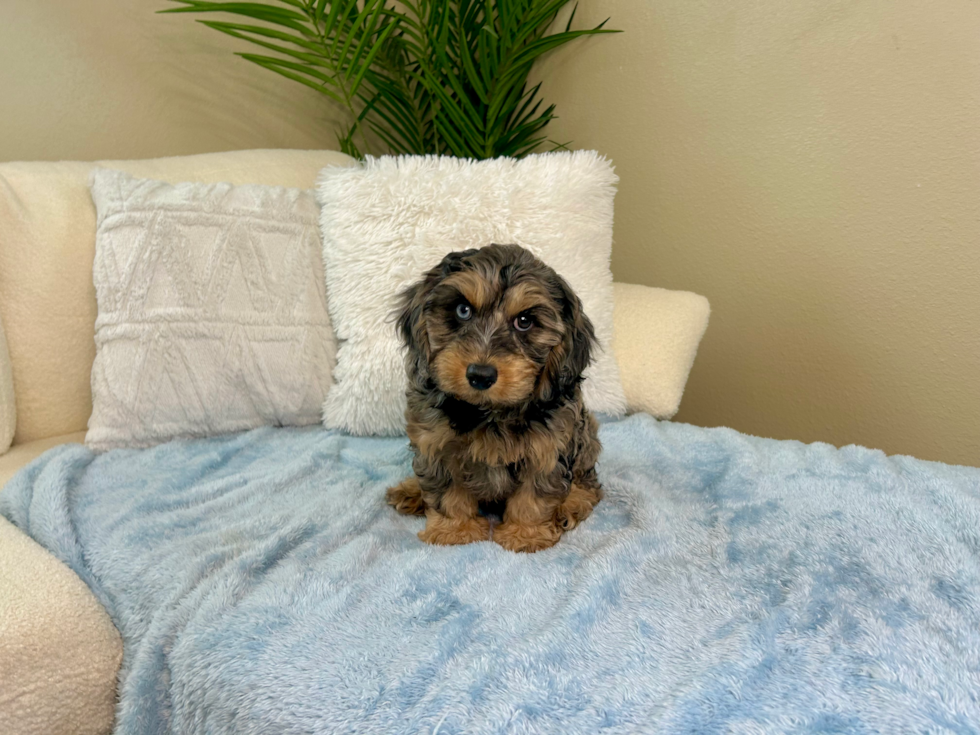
<point x="410" y="311"/>
<point x="408" y="315"/>
<point x="568" y="359"/>
<point x="410" y="323"/>
<point x="579" y="331"/>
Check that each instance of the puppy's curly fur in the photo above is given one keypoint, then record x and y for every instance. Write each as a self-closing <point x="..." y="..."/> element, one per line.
<point x="497" y="342"/>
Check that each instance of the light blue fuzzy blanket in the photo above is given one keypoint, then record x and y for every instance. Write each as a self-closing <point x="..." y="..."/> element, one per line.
<point x="726" y="584"/>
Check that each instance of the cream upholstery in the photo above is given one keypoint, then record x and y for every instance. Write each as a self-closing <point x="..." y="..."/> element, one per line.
<point x="655" y="337"/>
<point x="47" y="244"/>
<point x="59" y="652"/>
<point x="8" y="407"/>
<point x="22" y="454"/>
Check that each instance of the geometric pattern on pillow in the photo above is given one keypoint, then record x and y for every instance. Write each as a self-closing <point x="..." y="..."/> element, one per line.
<point x="212" y="310"/>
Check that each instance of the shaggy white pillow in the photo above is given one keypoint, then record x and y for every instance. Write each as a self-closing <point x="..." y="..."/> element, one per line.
<point x="386" y="222"/>
<point x="212" y="314"/>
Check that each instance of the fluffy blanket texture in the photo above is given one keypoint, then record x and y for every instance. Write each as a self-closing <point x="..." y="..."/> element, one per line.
<point x="726" y="584"/>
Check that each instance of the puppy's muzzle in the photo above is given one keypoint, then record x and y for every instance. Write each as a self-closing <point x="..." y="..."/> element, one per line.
<point x="481" y="377"/>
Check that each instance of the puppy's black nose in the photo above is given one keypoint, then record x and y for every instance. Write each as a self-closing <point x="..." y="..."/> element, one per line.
<point x="481" y="377"/>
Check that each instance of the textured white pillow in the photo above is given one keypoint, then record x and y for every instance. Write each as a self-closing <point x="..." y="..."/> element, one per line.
<point x="212" y="315"/>
<point x="386" y="222"/>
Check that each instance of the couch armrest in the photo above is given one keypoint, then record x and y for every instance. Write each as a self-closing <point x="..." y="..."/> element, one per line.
<point x="20" y="455"/>
<point x="59" y="651"/>
<point x="8" y="406"/>
<point x="656" y="333"/>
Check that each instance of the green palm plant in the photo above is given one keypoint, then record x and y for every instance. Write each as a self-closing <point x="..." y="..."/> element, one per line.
<point x="423" y="76"/>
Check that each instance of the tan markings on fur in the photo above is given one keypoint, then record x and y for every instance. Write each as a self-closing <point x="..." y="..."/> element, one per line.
<point x="449" y="369"/>
<point x="444" y="531"/>
<point x="430" y="439"/>
<point x="516" y="376"/>
<point x="496" y="449"/>
<point x="542" y="449"/>
<point x="538" y="447"/>
<point x="458" y="503"/>
<point x="576" y="507"/>
<point x="551" y="367"/>
<point x="506" y="455"/>
<point x="524" y="296"/>
<point x="515" y="379"/>
<point x="474" y="288"/>
<point x="406" y="497"/>
<point x="529" y="522"/>
<point x="457" y="521"/>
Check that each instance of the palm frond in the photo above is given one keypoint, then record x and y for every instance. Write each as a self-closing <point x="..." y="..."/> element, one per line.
<point x="422" y="76"/>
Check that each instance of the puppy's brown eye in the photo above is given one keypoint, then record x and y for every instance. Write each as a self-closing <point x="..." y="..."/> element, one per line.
<point x="464" y="312"/>
<point x="523" y="323"/>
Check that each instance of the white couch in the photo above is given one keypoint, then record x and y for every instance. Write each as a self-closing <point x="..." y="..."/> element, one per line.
<point x="59" y="651"/>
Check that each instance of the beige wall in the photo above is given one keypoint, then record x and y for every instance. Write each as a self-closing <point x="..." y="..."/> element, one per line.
<point x="813" y="167"/>
<point x="91" y="79"/>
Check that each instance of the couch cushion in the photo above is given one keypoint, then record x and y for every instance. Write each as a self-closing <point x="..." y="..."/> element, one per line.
<point x="23" y="454"/>
<point x="8" y="406"/>
<point x="47" y="244"/>
<point x="656" y="334"/>
<point x="59" y="651"/>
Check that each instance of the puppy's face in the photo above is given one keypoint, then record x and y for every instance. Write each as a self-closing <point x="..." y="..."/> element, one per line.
<point x="495" y="326"/>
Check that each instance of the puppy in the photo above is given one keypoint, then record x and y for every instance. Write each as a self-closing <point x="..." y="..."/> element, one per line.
<point x="497" y="342"/>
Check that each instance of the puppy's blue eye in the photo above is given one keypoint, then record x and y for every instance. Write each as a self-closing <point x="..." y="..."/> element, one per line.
<point x="464" y="312"/>
<point x="523" y="323"/>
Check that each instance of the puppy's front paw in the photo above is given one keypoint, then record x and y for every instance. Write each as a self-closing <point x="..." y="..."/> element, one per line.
<point x="518" y="537"/>
<point x="576" y="507"/>
<point x="406" y="497"/>
<point x="452" y="532"/>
